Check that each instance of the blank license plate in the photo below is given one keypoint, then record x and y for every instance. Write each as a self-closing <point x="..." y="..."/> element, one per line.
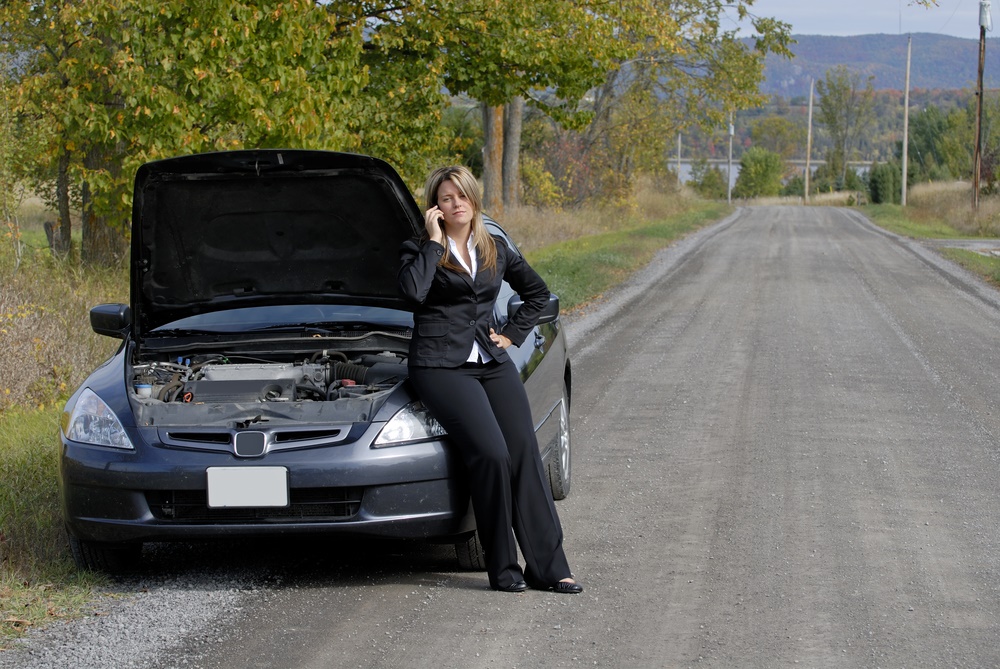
<point x="247" y="486"/>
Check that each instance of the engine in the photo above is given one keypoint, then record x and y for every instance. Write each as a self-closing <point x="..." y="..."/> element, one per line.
<point x="325" y="377"/>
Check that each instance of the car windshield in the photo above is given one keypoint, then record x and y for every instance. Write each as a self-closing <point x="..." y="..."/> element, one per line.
<point x="323" y="316"/>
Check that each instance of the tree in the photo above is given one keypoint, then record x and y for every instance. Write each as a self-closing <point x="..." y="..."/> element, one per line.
<point x="553" y="53"/>
<point x="120" y="82"/>
<point x="692" y="77"/>
<point x="884" y="183"/>
<point x="496" y="52"/>
<point x="927" y="129"/>
<point x="114" y="83"/>
<point x="760" y="174"/>
<point x="779" y="135"/>
<point x="845" y="109"/>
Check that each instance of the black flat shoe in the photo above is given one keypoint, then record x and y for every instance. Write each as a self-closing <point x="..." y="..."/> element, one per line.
<point x="516" y="586"/>
<point x="567" y="588"/>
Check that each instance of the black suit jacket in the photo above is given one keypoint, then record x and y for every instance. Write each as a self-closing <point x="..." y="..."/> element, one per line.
<point x="451" y="310"/>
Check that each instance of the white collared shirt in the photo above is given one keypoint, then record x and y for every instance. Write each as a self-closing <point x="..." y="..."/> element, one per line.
<point x="477" y="354"/>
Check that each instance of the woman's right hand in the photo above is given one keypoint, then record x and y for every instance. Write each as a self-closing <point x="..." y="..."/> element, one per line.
<point x="434" y="224"/>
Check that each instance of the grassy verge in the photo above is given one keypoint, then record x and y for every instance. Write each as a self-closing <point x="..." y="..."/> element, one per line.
<point x="581" y="270"/>
<point x="908" y="223"/>
<point x="943" y="211"/>
<point x="987" y="267"/>
<point x="38" y="581"/>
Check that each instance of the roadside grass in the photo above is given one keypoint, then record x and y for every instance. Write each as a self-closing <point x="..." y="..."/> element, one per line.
<point x="38" y="580"/>
<point x="941" y="210"/>
<point x="984" y="266"/>
<point x="582" y="270"/>
<point x="47" y="348"/>
<point x="944" y="211"/>
<point x="908" y="222"/>
<point x="46" y="344"/>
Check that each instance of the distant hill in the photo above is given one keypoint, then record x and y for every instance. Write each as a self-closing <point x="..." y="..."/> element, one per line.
<point x="938" y="62"/>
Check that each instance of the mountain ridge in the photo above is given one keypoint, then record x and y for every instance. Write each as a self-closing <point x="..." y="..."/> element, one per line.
<point x="939" y="62"/>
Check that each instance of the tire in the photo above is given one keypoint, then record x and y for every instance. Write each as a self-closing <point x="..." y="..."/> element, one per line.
<point x="470" y="553"/>
<point x="106" y="558"/>
<point x="558" y="467"/>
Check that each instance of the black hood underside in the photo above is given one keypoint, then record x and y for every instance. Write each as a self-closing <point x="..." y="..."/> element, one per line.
<point x="250" y="228"/>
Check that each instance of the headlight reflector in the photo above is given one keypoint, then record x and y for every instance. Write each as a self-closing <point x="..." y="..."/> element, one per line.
<point x="411" y="423"/>
<point x="93" y="422"/>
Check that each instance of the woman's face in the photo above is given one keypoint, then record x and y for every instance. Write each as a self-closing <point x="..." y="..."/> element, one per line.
<point x="454" y="205"/>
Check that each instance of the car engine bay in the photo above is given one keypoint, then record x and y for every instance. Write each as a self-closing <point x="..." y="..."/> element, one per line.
<point x="326" y="376"/>
<point x="227" y="387"/>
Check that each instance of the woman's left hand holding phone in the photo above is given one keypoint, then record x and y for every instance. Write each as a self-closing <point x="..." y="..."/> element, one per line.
<point x="434" y="224"/>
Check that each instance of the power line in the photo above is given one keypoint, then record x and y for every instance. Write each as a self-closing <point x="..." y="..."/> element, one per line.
<point x="958" y="5"/>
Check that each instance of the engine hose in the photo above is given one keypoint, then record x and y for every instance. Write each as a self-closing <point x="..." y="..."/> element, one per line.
<point x="165" y="391"/>
<point x="345" y="370"/>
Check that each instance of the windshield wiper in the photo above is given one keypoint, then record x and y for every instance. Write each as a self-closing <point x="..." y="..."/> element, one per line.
<point x="182" y="332"/>
<point x="293" y="327"/>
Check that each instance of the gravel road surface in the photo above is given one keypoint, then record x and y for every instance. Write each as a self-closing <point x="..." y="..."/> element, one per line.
<point x="786" y="441"/>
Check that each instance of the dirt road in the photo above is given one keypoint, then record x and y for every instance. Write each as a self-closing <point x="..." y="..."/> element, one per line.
<point x="786" y="453"/>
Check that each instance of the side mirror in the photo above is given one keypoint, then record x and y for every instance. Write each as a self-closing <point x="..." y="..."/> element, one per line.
<point x="111" y="320"/>
<point x="549" y="313"/>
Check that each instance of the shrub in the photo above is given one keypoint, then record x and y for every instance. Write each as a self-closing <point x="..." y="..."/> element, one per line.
<point x="708" y="181"/>
<point x="760" y="174"/>
<point x="884" y="185"/>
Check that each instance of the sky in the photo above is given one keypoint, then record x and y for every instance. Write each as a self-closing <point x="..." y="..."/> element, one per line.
<point x="864" y="17"/>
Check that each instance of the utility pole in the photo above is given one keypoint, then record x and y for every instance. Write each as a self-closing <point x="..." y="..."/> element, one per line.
<point x="985" y="22"/>
<point x="729" y="168"/>
<point x="809" y="141"/>
<point x="906" y="118"/>
<point x="678" y="159"/>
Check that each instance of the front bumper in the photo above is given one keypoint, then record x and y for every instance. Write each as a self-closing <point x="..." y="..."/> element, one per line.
<point x="160" y="494"/>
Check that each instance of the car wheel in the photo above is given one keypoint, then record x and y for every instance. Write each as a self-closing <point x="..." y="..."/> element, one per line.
<point x="105" y="557"/>
<point x="559" y="465"/>
<point x="470" y="553"/>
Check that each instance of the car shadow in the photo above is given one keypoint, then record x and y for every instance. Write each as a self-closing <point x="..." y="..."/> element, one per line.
<point x="295" y="562"/>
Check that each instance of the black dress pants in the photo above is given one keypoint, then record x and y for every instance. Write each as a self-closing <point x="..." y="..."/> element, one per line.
<point x="485" y="410"/>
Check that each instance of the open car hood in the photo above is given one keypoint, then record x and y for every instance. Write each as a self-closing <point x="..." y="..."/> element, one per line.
<point x="250" y="228"/>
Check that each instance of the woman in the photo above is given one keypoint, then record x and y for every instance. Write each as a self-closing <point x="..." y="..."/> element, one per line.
<point x="461" y="370"/>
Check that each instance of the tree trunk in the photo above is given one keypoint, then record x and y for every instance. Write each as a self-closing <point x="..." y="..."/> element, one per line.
<point x="61" y="238"/>
<point x="493" y="160"/>
<point x="513" y="113"/>
<point x="103" y="237"/>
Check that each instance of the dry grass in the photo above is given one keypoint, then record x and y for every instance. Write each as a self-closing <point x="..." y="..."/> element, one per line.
<point x="533" y="228"/>
<point x="46" y="344"/>
<point x="951" y="203"/>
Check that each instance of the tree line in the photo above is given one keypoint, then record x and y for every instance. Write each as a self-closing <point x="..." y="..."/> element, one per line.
<point x="580" y="94"/>
<point x="854" y="123"/>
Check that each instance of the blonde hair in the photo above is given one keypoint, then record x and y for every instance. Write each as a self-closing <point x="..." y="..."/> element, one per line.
<point x="464" y="180"/>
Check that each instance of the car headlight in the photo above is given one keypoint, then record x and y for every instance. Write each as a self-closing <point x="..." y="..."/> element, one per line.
<point x="412" y="423"/>
<point x="93" y="422"/>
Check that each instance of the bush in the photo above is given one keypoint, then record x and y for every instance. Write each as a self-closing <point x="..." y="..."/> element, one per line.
<point x="760" y="174"/>
<point x="795" y="187"/>
<point x="884" y="184"/>
<point x="708" y="182"/>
